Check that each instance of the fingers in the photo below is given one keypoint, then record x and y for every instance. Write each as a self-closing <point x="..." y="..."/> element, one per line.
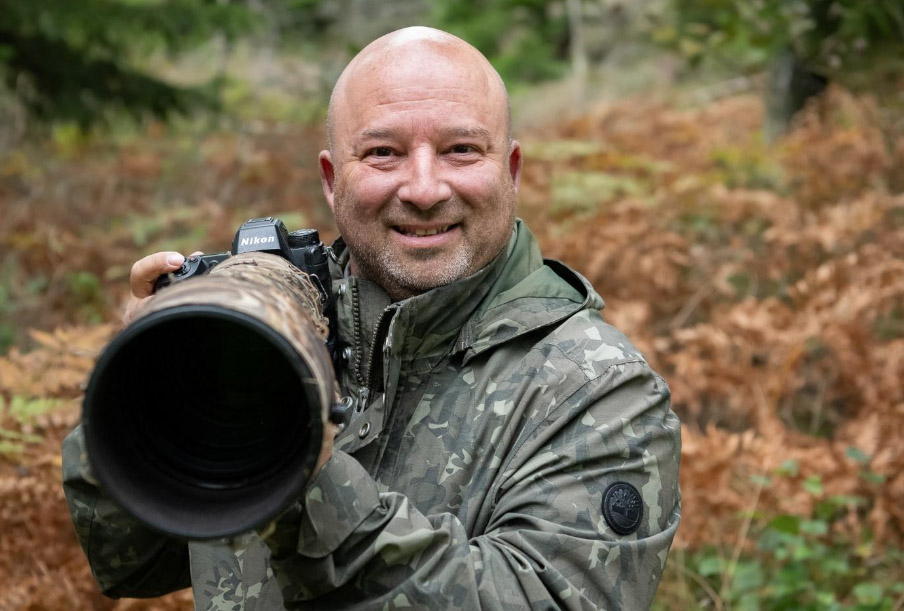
<point x="146" y="271"/>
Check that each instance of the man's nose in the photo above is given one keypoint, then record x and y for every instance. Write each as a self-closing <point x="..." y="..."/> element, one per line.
<point x="424" y="185"/>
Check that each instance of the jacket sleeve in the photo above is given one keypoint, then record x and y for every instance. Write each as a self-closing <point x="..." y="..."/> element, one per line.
<point x="126" y="558"/>
<point x="547" y="544"/>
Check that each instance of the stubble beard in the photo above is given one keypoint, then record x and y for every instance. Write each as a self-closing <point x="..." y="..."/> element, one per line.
<point x="405" y="275"/>
<point x="405" y="281"/>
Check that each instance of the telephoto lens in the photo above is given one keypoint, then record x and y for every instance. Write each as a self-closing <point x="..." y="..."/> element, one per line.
<point x="204" y="417"/>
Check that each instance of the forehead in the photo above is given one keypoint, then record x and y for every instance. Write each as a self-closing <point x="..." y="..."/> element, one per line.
<point x="420" y="87"/>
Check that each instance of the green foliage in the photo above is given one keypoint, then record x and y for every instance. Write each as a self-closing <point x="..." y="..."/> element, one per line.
<point x="21" y="411"/>
<point x="576" y="193"/>
<point x="74" y="60"/>
<point x="246" y="101"/>
<point x="824" y="34"/>
<point x="86" y="295"/>
<point x="799" y="562"/>
<point x="749" y="167"/>
<point x="891" y="325"/>
<point x="525" y="40"/>
<point x="14" y="442"/>
<point x="18" y="292"/>
<point x="297" y="20"/>
<point x="25" y="410"/>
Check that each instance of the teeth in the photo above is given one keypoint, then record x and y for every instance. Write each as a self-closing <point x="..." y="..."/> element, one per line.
<point x="427" y="232"/>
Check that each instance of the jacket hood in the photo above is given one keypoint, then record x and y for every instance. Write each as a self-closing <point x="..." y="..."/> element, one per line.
<point x="530" y="293"/>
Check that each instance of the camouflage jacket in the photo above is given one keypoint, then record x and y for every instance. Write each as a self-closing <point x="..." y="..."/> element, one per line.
<point x="508" y="450"/>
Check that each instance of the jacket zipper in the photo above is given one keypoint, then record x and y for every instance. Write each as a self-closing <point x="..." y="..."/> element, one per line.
<point x="366" y="386"/>
<point x="356" y="315"/>
<point x="375" y="363"/>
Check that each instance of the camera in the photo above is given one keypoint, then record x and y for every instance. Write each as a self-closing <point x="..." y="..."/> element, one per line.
<point x="302" y="248"/>
<point x="228" y="438"/>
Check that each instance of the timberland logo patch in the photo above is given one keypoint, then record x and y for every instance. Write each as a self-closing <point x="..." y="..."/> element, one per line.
<point x="622" y="508"/>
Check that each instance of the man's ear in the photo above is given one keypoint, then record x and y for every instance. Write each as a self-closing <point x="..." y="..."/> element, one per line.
<point x="327" y="176"/>
<point x="515" y="163"/>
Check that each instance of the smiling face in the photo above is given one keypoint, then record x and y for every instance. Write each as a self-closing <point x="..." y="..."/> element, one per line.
<point x="422" y="176"/>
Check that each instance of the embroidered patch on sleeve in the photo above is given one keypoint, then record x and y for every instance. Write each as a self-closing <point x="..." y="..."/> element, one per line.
<point x="622" y="508"/>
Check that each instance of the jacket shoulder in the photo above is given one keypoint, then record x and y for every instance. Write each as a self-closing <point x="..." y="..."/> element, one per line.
<point x="592" y="344"/>
<point x="540" y="301"/>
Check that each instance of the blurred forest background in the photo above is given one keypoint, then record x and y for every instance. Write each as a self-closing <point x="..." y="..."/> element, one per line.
<point x="728" y="174"/>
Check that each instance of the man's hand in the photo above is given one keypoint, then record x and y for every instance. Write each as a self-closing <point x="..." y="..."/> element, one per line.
<point x="144" y="273"/>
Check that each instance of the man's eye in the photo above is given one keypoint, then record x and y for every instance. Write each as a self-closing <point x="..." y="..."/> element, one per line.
<point x="462" y="149"/>
<point x="381" y="151"/>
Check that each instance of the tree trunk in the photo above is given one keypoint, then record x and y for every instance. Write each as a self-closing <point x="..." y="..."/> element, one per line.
<point x="578" y="52"/>
<point x="791" y="84"/>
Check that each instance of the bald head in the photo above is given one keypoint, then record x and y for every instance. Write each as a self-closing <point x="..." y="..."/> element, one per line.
<point x="422" y="174"/>
<point x="416" y="49"/>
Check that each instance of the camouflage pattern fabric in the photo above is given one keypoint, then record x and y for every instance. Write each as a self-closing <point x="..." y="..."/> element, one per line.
<point x="501" y="412"/>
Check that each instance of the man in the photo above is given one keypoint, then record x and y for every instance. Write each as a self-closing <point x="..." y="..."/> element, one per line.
<point x="510" y="449"/>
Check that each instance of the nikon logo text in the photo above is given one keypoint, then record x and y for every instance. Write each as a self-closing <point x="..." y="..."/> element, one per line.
<point x="255" y="241"/>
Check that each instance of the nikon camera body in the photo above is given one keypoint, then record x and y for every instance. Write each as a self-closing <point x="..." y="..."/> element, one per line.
<point x="302" y="248"/>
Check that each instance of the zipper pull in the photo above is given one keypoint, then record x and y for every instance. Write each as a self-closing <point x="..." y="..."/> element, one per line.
<point x="387" y="344"/>
<point x="363" y="398"/>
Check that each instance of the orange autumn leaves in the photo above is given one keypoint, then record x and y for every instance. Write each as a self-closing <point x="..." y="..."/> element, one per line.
<point x="765" y="281"/>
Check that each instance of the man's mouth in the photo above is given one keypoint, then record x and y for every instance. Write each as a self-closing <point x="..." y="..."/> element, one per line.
<point x="422" y="232"/>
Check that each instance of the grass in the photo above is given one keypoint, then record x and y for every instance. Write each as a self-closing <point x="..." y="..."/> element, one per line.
<point x="791" y="562"/>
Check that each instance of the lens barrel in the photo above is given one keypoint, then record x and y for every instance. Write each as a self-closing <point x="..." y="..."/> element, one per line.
<point x="205" y="420"/>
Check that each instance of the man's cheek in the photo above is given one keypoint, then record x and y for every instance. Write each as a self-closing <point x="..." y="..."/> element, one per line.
<point x="479" y="193"/>
<point x="481" y="180"/>
<point x="372" y="192"/>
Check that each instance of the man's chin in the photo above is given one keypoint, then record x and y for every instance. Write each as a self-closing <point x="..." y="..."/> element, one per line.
<point x="423" y="282"/>
<point x="413" y="277"/>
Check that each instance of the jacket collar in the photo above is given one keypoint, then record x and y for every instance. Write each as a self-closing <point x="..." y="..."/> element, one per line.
<point x="514" y="294"/>
<point x="531" y="293"/>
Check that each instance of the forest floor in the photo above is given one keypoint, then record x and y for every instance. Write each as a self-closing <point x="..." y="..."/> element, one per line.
<point x="764" y="281"/>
